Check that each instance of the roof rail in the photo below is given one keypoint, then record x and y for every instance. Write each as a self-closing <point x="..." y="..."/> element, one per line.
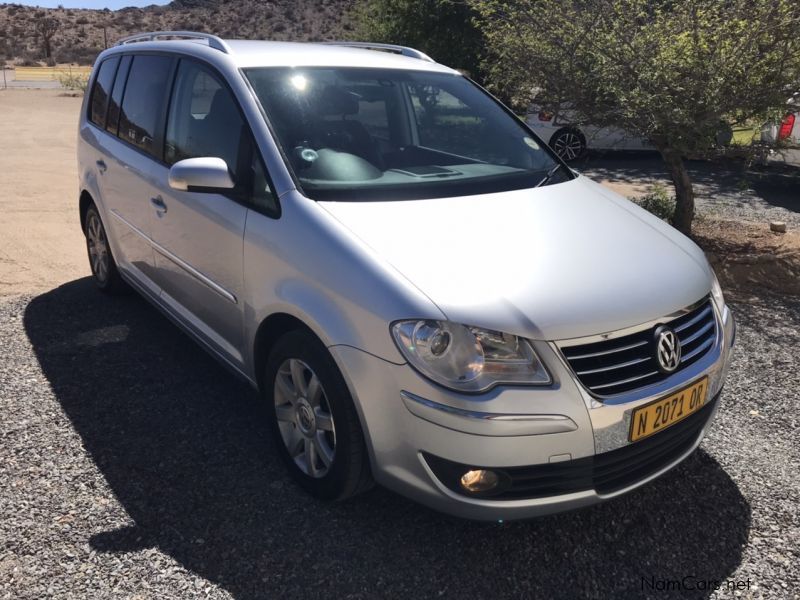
<point x="404" y="50"/>
<point x="213" y="41"/>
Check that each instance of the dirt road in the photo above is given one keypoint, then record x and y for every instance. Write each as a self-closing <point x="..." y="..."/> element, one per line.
<point x="41" y="245"/>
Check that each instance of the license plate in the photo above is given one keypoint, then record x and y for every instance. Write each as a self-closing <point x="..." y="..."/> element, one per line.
<point x="656" y="416"/>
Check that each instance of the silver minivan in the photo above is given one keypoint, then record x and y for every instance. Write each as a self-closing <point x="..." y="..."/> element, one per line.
<point x="423" y="293"/>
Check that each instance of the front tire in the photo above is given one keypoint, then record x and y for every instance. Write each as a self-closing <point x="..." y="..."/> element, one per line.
<point x="101" y="261"/>
<point x="569" y="144"/>
<point x="313" y="419"/>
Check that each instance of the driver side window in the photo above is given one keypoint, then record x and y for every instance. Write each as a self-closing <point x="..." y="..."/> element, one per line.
<point x="204" y="120"/>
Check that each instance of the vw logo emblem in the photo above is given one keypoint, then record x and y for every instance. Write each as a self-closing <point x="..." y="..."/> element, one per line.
<point x="668" y="349"/>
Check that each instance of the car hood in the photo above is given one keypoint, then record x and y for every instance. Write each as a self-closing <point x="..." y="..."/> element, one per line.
<point x="551" y="263"/>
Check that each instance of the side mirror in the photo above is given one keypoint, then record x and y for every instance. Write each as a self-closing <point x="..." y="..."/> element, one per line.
<point x="206" y="174"/>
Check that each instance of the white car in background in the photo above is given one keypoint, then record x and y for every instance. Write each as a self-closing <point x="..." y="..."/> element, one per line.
<point x="571" y="140"/>
<point x="788" y="130"/>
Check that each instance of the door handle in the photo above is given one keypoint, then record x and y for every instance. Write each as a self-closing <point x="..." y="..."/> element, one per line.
<point x="158" y="202"/>
<point x="101" y="165"/>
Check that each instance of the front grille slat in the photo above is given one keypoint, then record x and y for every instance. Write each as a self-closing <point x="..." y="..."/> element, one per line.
<point x="705" y="328"/>
<point x="624" y="381"/>
<point x="612" y="351"/>
<point x="703" y="314"/>
<point x="704" y="346"/>
<point x="626" y="363"/>
<point x="630" y="363"/>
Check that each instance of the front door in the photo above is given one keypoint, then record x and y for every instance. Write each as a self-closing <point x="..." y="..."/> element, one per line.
<point x="198" y="236"/>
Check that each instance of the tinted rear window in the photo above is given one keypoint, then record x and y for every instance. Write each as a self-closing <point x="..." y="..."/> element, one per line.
<point x="112" y="120"/>
<point x="101" y="91"/>
<point x="143" y="102"/>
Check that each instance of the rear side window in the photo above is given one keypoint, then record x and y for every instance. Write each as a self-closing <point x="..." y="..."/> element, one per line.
<point x="143" y="102"/>
<point x="101" y="90"/>
<point x="112" y="120"/>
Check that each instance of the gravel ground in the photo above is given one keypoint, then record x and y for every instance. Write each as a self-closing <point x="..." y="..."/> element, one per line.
<point x="723" y="190"/>
<point x="133" y="466"/>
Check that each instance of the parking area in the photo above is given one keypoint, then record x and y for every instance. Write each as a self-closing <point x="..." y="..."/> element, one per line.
<point x="133" y="466"/>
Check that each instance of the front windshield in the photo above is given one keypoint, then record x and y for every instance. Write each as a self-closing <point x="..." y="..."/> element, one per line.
<point x="386" y="134"/>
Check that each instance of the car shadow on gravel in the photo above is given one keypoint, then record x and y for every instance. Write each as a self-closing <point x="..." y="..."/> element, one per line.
<point x="180" y="443"/>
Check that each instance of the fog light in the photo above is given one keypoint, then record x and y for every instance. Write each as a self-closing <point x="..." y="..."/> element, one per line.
<point x="479" y="480"/>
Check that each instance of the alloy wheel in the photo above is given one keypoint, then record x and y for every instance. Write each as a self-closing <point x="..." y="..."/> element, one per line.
<point x="304" y="418"/>
<point x="568" y="145"/>
<point x="98" y="247"/>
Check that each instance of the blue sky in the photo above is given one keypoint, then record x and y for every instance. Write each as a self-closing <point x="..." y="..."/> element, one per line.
<point x="112" y="4"/>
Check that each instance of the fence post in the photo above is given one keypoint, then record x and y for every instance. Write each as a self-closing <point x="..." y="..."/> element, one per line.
<point x="5" y="85"/>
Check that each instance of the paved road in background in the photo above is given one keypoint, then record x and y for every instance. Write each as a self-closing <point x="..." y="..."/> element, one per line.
<point x="11" y="82"/>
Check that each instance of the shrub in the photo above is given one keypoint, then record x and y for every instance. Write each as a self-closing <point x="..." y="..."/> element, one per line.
<point x="81" y="55"/>
<point x="658" y="202"/>
<point x="74" y="81"/>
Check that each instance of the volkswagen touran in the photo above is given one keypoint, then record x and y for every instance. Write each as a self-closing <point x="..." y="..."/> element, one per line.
<point x="423" y="293"/>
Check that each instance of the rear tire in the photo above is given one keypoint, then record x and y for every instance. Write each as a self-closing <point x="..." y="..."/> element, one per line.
<point x="313" y="419"/>
<point x="569" y="144"/>
<point x="101" y="260"/>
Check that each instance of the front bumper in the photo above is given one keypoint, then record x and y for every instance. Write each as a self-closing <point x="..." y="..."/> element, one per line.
<point x="407" y="420"/>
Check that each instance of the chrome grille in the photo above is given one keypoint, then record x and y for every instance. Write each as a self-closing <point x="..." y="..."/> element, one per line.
<point x="626" y="363"/>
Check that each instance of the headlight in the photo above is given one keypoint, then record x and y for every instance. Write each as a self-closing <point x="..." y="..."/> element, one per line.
<point x="468" y="359"/>
<point x="716" y="293"/>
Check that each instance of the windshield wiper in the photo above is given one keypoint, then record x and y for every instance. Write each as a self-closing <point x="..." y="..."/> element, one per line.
<point x="549" y="175"/>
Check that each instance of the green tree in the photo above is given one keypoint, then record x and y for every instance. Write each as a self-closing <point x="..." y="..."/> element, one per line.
<point x="443" y="29"/>
<point x="669" y="71"/>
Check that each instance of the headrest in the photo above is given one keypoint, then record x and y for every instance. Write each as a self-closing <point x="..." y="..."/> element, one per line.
<point x="221" y="105"/>
<point x="334" y="100"/>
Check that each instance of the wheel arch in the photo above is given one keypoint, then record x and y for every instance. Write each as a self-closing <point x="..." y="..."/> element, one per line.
<point x="85" y="201"/>
<point x="268" y="333"/>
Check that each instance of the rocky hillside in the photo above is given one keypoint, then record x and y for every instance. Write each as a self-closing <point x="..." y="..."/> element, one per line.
<point x="80" y="34"/>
